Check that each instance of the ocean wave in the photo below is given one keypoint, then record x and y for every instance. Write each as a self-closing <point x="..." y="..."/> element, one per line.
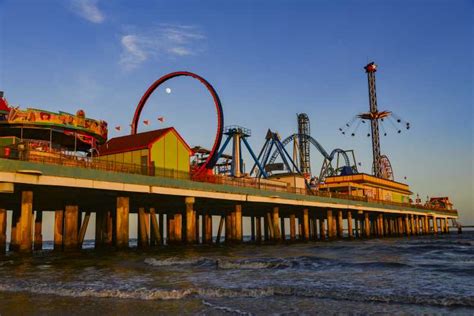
<point x="252" y="264"/>
<point x="225" y="309"/>
<point x="175" y="261"/>
<point x="213" y="293"/>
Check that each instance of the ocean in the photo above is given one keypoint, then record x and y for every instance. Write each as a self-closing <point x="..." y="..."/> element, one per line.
<point x="416" y="275"/>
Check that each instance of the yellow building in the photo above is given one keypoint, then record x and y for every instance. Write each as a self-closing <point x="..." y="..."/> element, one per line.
<point x="163" y="149"/>
<point x="367" y="185"/>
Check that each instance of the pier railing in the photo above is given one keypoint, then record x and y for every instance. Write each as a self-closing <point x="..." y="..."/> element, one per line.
<point x="55" y="158"/>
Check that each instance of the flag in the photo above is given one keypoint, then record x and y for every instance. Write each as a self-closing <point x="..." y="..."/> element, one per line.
<point x="161" y="119"/>
<point x="117" y="128"/>
<point x="146" y="122"/>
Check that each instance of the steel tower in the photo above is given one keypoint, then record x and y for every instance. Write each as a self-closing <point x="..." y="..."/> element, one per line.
<point x="370" y="69"/>
<point x="304" y="149"/>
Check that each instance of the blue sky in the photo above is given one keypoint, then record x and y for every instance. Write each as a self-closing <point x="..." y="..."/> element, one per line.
<point x="268" y="61"/>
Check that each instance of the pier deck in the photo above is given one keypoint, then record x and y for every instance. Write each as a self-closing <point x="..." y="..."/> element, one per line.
<point x="74" y="193"/>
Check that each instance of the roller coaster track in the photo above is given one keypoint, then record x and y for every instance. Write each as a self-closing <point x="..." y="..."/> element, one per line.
<point x="315" y="143"/>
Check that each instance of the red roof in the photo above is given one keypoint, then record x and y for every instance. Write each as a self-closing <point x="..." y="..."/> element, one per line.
<point x="137" y="141"/>
<point x="4" y="105"/>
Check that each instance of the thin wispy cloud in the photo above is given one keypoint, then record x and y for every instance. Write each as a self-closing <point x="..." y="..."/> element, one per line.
<point x="166" y="41"/>
<point x="88" y="9"/>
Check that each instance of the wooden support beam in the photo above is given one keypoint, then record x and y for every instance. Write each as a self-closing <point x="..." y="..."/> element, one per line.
<point x="58" y="230"/>
<point x="315" y="228"/>
<point x="26" y="221"/>
<point x="381" y="227"/>
<point x="435" y="225"/>
<point x="367" y="224"/>
<point x="329" y="218"/>
<point x="233" y="226"/>
<point x="282" y="225"/>
<point x="292" y="227"/>
<point x="142" y="240"/>
<point x="3" y="230"/>
<point x="228" y="227"/>
<point x="270" y="226"/>
<point x="357" y="226"/>
<point x="196" y="228"/>
<point x="276" y="223"/>
<point x="266" y="230"/>
<point x="407" y="225"/>
<point x="258" y="229"/>
<point x="306" y="224"/>
<point x="219" y="230"/>
<point x="15" y="231"/>
<point x="207" y="232"/>
<point x="161" y="225"/>
<point x="400" y="225"/>
<point x="238" y="223"/>
<point x="170" y="230"/>
<point x="178" y="228"/>
<point x="155" y="234"/>
<point x="322" y="230"/>
<point x="103" y="229"/>
<point x="83" y="230"/>
<point x="38" y="239"/>
<point x="122" y="222"/>
<point x="340" y="224"/>
<point x="350" y="233"/>
<point x="190" y="220"/>
<point x="252" y="228"/>
<point x="300" y="228"/>
<point x="71" y="220"/>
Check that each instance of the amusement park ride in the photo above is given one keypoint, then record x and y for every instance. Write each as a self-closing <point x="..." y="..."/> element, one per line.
<point x="381" y="164"/>
<point x="63" y="134"/>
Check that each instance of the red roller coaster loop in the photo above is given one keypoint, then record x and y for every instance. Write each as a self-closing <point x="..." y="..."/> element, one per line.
<point x="211" y="160"/>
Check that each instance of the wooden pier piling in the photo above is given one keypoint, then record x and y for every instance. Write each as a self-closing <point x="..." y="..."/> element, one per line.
<point x="38" y="237"/>
<point x="3" y="230"/>
<point x="340" y="224"/>
<point x="350" y="233"/>
<point x="122" y="222"/>
<point x="25" y="233"/>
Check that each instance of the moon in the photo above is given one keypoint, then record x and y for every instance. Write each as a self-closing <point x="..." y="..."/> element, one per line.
<point x="168" y="90"/>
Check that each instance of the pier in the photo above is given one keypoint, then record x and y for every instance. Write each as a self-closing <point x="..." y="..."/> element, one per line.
<point x="171" y="210"/>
